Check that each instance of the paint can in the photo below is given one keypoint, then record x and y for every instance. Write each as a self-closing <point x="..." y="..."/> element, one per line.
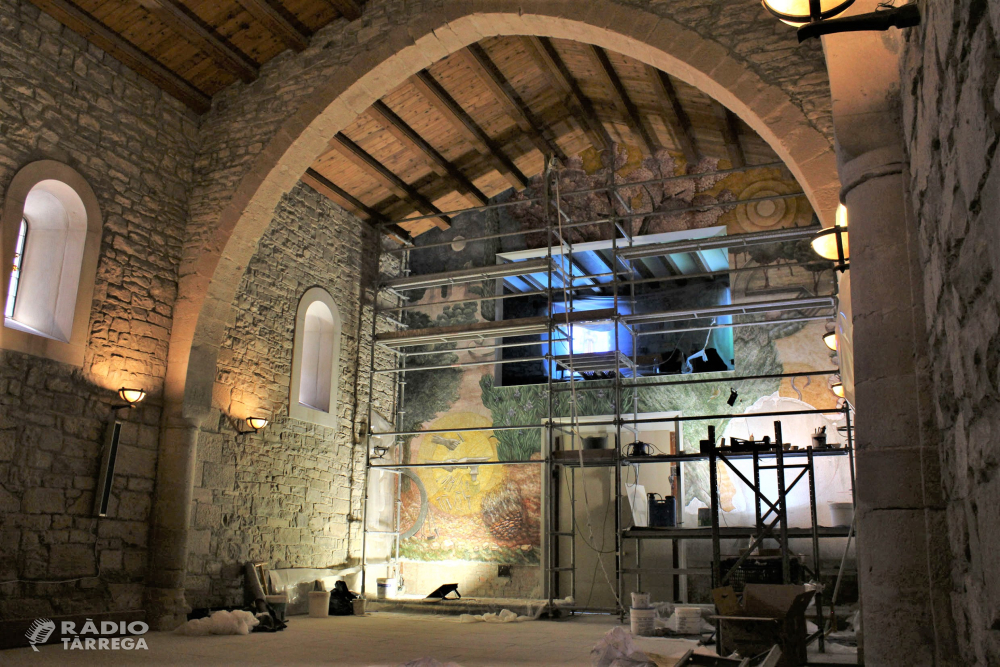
<point x="640" y="600"/>
<point x="688" y="620"/>
<point x="643" y="621"/>
<point x="279" y="603"/>
<point x="386" y="587"/>
<point x="319" y="604"/>
<point x="359" y="606"/>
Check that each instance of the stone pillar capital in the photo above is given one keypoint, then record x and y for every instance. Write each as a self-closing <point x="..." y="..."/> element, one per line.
<point x="876" y="163"/>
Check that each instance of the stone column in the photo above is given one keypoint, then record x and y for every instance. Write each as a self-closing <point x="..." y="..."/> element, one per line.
<point x="903" y="551"/>
<point x="166" y="607"/>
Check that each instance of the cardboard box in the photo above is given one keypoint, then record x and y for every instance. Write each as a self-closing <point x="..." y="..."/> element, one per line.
<point x="767" y="614"/>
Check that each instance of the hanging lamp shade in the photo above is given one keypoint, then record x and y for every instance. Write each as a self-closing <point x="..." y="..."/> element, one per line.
<point x="800" y="12"/>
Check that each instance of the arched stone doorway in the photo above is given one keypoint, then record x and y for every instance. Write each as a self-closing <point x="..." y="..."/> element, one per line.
<point x="231" y="213"/>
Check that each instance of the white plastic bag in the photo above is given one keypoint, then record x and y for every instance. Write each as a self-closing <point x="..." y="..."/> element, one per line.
<point x="617" y="649"/>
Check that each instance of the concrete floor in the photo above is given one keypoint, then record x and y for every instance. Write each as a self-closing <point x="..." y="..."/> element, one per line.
<point x="378" y="639"/>
<point x="381" y="638"/>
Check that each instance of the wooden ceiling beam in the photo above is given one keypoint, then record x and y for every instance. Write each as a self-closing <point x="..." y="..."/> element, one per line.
<point x="406" y="135"/>
<point x="729" y="126"/>
<point x="673" y="114"/>
<point x="545" y="55"/>
<point x="349" y="9"/>
<point x="179" y="19"/>
<point x="367" y="163"/>
<point x="143" y="64"/>
<point x="446" y="105"/>
<point x="622" y="101"/>
<point x="479" y="60"/>
<point x="276" y="24"/>
<point x="341" y="197"/>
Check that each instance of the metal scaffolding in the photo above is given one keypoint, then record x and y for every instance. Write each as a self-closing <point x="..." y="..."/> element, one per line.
<point x="394" y="360"/>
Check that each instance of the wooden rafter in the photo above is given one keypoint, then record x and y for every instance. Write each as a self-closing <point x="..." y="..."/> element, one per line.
<point x="545" y="55"/>
<point x="349" y="9"/>
<point x="622" y="101"/>
<point x="674" y="114"/>
<point x="341" y="197"/>
<point x="107" y="39"/>
<point x="484" y="67"/>
<point x="406" y="135"/>
<point x="276" y="24"/>
<point x="729" y="126"/>
<point x="191" y="28"/>
<point x="367" y="163"/>
<point x="440" y="99"/>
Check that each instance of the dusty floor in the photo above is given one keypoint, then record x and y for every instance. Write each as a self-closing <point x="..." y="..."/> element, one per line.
<point x="378" y="639"/>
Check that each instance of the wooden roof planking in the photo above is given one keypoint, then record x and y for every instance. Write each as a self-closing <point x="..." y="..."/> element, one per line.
<point x="468" y="128"/>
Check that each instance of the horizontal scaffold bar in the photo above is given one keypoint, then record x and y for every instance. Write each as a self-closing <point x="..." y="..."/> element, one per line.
<point x="734" y="241"/>
<point x="736" y="325"/>
<point x="638" y="384"/>
<point x="455" y="464"/>
<point x="469" y="275"/>
<point x="746" y="308"/>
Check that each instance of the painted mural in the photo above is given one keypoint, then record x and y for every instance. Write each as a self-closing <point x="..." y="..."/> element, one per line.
<point x="470" y="510"/>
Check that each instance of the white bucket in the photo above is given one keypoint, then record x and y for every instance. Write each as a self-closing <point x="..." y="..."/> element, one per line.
<point x="386" y="587"/>
<point x="359" y="606"/>
<point x="640" y="600"/>
<point x="841" y="514"/>
<point x="688" y="620"/>
<point x="319" y="604"/>
<point x="643" y="621"/>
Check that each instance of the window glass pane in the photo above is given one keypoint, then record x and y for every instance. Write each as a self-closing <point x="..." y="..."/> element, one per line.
<point x="15" y="274"/>
<point x="317" y="358"/>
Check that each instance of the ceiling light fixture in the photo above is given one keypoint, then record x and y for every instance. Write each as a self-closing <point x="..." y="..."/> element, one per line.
<point x="830" y="339"/>
<point x="814" y="18"/>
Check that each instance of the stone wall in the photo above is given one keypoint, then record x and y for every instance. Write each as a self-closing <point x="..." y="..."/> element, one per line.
<point x="290" y="494"/>
<point x="63" y="99"/>
<point x="951" y="108"/>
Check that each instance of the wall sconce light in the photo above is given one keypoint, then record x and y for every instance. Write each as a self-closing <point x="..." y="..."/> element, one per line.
<point x="830" y="340"/>
<point x="838" y="389"/>
<point x="733" y="395"/>
<point x="800" y="12"/>
<point x="832" y="243"/>
<point x="815" y="17"/>
<point x="132" y="397"/>
<point x="255" y="424"/>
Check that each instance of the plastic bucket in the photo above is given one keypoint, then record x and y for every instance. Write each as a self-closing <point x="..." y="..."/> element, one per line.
<point x="386" y="587"/>
<point x="643" y="621"/>
<point x="640" y="600"/>
<point x="319" y="604"/>
<point x="841" y="514"/>
<point x="359" y="606"/>
<point x="688" y="620"/>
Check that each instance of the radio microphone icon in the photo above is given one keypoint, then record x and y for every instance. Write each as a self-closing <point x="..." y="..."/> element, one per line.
<point x="39" y="632"/>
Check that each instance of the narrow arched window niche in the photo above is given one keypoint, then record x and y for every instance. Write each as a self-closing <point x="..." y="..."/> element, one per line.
<point x="316" y="359"/>
<point x="51" y="236"/>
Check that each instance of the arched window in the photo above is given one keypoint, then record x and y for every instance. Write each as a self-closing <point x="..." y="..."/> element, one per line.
<point x="51" y="239"/>
<point x="316" y="359"/>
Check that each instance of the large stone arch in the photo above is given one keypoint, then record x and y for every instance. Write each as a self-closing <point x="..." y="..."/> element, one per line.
<point x="231" y="213"/>
<point x="209" y="279"/>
